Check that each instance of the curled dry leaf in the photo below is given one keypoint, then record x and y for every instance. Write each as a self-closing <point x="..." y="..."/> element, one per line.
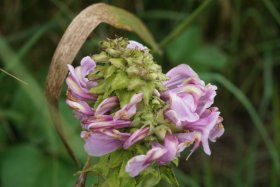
<point x="72" y="40"/>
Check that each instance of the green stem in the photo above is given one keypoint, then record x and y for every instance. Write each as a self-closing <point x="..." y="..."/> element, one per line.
<point x="271" y="8"/>
<point x="180" y="28"/>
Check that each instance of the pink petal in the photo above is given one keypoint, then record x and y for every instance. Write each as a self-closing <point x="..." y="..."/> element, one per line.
<point x="106" y="105"/>
<point x="183" y="108"/>
<point x="127" y="111"/>
<point x="171" y="146"/>
<point x="136" y="45"/>
<point x="139" y="163"/>
<point x="98" y="143"/>
<point x="135" y="137"/>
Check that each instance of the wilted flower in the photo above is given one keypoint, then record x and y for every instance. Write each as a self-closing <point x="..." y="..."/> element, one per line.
<point x="124" y="101"/>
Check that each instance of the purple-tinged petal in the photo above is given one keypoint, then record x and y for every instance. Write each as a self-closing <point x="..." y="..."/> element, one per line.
<point x="98" y="143"/>
<point x="171" y="145"/>
<point x="77" y="80"/>
<point x="106" y="105"/>
<point x="173" y="117"/>
<point x="135" y="137"/>
<point x="127" y="111"/>
<point x="104" y="122"/>
<point x="139" y="163"/>
<point x="186" y="139"/>
<point x="136" y="45"/>
<point x="81" y="107"/>
<point x="87" y="66"/>
<point x="204" y="125"/>
<point x="207" y="99"/>
<point x="183" y="108"/>
<point x="116" y="124"/>
<point x="178" y="74"/>
<point x="217" y="131"/>
<point x="77" y="91"/>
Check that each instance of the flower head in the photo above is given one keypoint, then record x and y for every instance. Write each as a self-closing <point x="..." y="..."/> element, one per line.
<point x="124" y="101"/>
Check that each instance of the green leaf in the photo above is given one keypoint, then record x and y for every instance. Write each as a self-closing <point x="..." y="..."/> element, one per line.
<point x="188" y="48"/>
<point x="208" y="57"/>
<point x="129" y="181"/>
<point x="116" y="158"/>
<point x="150" y="177"/>
<point x="185" y="45"/>
<point x="168" y="175"/>
<point x="26" y="166"/>
<point x="112" y="180"/>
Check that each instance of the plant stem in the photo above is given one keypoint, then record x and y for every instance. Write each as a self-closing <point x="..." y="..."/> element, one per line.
<point x="180" y="28"/>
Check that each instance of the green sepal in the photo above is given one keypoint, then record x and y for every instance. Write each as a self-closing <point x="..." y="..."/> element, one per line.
<point x="132" y="71"/>
<point x="124" y="96"/>
<point x="101" y="57"/>
<point x="99" y="89"/>
<point x="118" y="63"/>
<point x="135" y="83"/>
<point x="109" y="71"/>
<point x="113" y="52"/>
<point x="116" y="158"/>
<point x="120" y="81"/>
<point x="148" y="90"/>
<point x="102" y="167"/>
<point x="176" y="162"/>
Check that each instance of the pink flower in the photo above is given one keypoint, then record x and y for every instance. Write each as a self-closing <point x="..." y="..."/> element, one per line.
<point x="104" y="122"/>
<point x="166" y="122"/>
<point x="107" y="105"/>
<point x="139" y="163"/>
<point x="127" y="111"/>
<point x="135" y="137"/>
<point x="161" y="154"/>
<point x="190" y="100"/>
<point x="136" y="45"/>
<point x="171" y="144"/>
<point x="81" y="108"/>
<point x="101" y="142"/>
<point x="77" y="81"/>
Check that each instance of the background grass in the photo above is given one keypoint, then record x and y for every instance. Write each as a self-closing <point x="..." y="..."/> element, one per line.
<point x="232" y="43"/>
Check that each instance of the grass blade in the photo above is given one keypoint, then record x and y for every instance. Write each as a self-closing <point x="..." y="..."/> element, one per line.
<point x="252" y="112"/>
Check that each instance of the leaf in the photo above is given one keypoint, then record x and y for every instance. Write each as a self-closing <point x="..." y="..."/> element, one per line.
<point x="26" y="166"/>
<point x="116" y="158"/>
<point x="168" y="175"/>
<point x="208" y="57"/>
<point x="189" y="48"/>
<point x="149" y="178"/>
<point x="13" y="76"/>
<point x="71" y="42"/>
<point x="185" y="45"/>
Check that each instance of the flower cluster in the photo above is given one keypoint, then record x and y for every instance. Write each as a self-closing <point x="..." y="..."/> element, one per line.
<point x="123" y="100"/>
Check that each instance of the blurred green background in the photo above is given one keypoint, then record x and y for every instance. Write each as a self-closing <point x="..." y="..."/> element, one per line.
<point x="232" y="43"/>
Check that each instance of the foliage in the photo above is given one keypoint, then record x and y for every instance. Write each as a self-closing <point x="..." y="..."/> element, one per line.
<point x="234" y="43"/>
